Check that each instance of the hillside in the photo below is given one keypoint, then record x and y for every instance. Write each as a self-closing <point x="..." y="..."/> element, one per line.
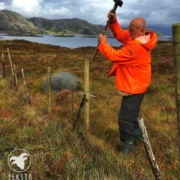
<point x="14" y="24"/>
<point x="67" y="26"/>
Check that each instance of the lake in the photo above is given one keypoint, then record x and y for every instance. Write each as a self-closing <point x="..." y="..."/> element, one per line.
<point x="69" y="42"/>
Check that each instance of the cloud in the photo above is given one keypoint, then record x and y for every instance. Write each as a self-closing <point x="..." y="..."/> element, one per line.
<point x="27" y="8"/>
<point x="6" y="2"/>
<point x="155" y="12"/>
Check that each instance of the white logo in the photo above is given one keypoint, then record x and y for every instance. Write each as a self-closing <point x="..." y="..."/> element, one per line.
<point x="19" y="160"/>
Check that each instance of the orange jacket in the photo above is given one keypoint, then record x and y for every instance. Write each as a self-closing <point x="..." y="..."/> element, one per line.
<point x="132" y="62"/>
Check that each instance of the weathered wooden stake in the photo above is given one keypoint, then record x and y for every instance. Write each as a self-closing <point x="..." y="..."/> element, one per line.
<point x="79" y="111"/>
<point x="25" y="86"/>
<point x="148" y="149"/>
<point x="86" y="89"/>
<point x="3" y="66"/>
<point x="49" y="89"/>
<point x="15" y="77"/>
<point x="10" y="62"/>
<point x="176" y="48"/>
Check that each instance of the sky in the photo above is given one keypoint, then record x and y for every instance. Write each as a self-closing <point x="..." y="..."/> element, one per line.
<point x="156" y="12"/>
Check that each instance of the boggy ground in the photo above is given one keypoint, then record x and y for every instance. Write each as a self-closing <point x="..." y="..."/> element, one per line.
<point x="57" y="152"/>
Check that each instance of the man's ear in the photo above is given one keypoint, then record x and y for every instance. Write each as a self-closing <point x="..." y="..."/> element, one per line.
<point x="143" y="31"/>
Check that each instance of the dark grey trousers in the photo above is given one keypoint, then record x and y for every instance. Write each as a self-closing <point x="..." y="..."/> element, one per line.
<point x="127" y="119"/>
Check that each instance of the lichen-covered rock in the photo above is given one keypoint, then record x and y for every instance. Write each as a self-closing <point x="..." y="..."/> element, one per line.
<point x="64" y="80"/>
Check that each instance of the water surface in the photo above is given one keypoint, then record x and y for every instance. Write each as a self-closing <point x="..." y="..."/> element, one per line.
<point x="69" y="42"/>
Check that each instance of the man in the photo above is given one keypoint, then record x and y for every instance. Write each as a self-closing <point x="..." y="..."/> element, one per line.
<point x="133" y="73"/>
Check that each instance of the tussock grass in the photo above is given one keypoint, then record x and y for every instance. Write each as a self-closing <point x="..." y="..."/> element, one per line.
<point x="57" y="152"/>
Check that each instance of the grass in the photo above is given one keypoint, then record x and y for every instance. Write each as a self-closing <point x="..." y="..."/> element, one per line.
<point x="57" y="152"/>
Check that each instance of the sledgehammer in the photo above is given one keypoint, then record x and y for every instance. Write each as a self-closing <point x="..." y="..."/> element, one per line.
<point x="117" y="3"/>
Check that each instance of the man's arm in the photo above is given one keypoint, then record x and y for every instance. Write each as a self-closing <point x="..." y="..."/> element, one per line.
<point x="127" y="55"/>
<point x="120" y="34"/>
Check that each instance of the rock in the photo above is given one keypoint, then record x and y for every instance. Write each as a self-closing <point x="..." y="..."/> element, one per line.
<point x="64" y="80"/>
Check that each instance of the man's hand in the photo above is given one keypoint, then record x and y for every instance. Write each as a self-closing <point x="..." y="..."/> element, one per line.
<point x="112" y="17"/>
<point x="101" y="38"/>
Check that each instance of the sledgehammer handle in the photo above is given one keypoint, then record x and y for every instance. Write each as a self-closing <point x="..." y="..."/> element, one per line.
<point x="104" y="33"/>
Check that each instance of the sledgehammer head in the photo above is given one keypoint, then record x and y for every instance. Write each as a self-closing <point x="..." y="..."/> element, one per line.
<point x="118" y="2"/>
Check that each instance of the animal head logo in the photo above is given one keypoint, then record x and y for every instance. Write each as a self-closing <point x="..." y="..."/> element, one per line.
<point x="19" y="160"/>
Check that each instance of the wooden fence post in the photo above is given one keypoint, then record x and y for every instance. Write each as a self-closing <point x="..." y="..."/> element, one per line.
<point x="176" y="48"/>
<point x="25" y="86"/>
<point x="79" y="111"/>
<point x="148" y="149"/>
<point x="86" y="89"/>
<point x="49" y="89"/>
<point x="15" y="77"/>
<point x="10" y="62"/>
<point x="3" y="66"/>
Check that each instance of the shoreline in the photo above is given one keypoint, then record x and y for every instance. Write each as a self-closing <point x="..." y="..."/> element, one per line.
<point x="69" y="42"/>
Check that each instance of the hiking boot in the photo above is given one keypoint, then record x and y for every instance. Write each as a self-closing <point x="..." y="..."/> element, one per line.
<point x="128" y="147"/>
<point x="137" y="134"/>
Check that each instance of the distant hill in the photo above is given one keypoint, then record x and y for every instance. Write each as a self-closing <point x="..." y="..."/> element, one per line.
<point x="165" y="30"/>
<point x="13" y="23"/>
<point x="71" y="26"/>
<point x="66" y="26"/>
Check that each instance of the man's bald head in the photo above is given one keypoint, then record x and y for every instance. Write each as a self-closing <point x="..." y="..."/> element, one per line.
<point x="137" y="27"/>
<point x="139" y="22"/>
